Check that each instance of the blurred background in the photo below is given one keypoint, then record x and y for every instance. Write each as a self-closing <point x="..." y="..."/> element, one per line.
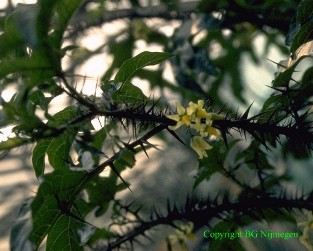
<point x="223" y="61"/>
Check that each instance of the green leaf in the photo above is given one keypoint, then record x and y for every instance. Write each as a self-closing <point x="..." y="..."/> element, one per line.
<point x="130" y="66"/>
<point x="64" y="10"/>
<point x="13" y="142"/>
<point x="38" y="98"/>
<point x="64" y="116"/>
<point x="45" y="14"/>
<point x="126" y="158"/>
<point x="305" y="11"/>
<point x="44" y="218"/>
<point x="62" y="235"/>
<point x="98" y="140"/>
<point x="102" y="234"/>
<point x="275" y="103"/>
<point x="35" y="64"/>
<point x="50" y="37"/>
<point x="63" y="184"/>
<point x="304" y="35"/>
<point x="10" y="39"/>
<point x="129" y="93"/>
<point x="38" y="158"/>
<point x="283" y="78"/>
<point x="59" y="149"/>
<point x="100" y="136"/>
<point x="8" y="113"/>
<point x="272" y="102"/>
<point x="43" y="27"/>
<point x="102" y="190"/>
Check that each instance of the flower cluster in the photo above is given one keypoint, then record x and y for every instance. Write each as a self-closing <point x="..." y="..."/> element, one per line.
<point x="196" y="117"/>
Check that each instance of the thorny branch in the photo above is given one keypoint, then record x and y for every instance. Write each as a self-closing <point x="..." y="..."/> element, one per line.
<point x="203" y="214"/>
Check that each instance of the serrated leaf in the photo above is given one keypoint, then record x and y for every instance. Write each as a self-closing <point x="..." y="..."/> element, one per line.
<point x="130" y="66"/>
<point x="44" y="218"/>
<point x="304" y="35"/>
<point x="305" y="11"/>
<point x="62" y="236"/>
<point x="63" y="184"/>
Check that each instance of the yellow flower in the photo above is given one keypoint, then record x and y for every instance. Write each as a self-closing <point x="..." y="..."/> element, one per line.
<point x="192" y="108"/>
<point x="200" y="145"/>
<point x="205" y="129"/>
<point x="209" y="130"/>
<point x="181" y="117"/>
<point x="197" y="110"/>
<point x="180" y="111"/>
<point x="185" y="120"/>
<point x="201" y="123"/>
